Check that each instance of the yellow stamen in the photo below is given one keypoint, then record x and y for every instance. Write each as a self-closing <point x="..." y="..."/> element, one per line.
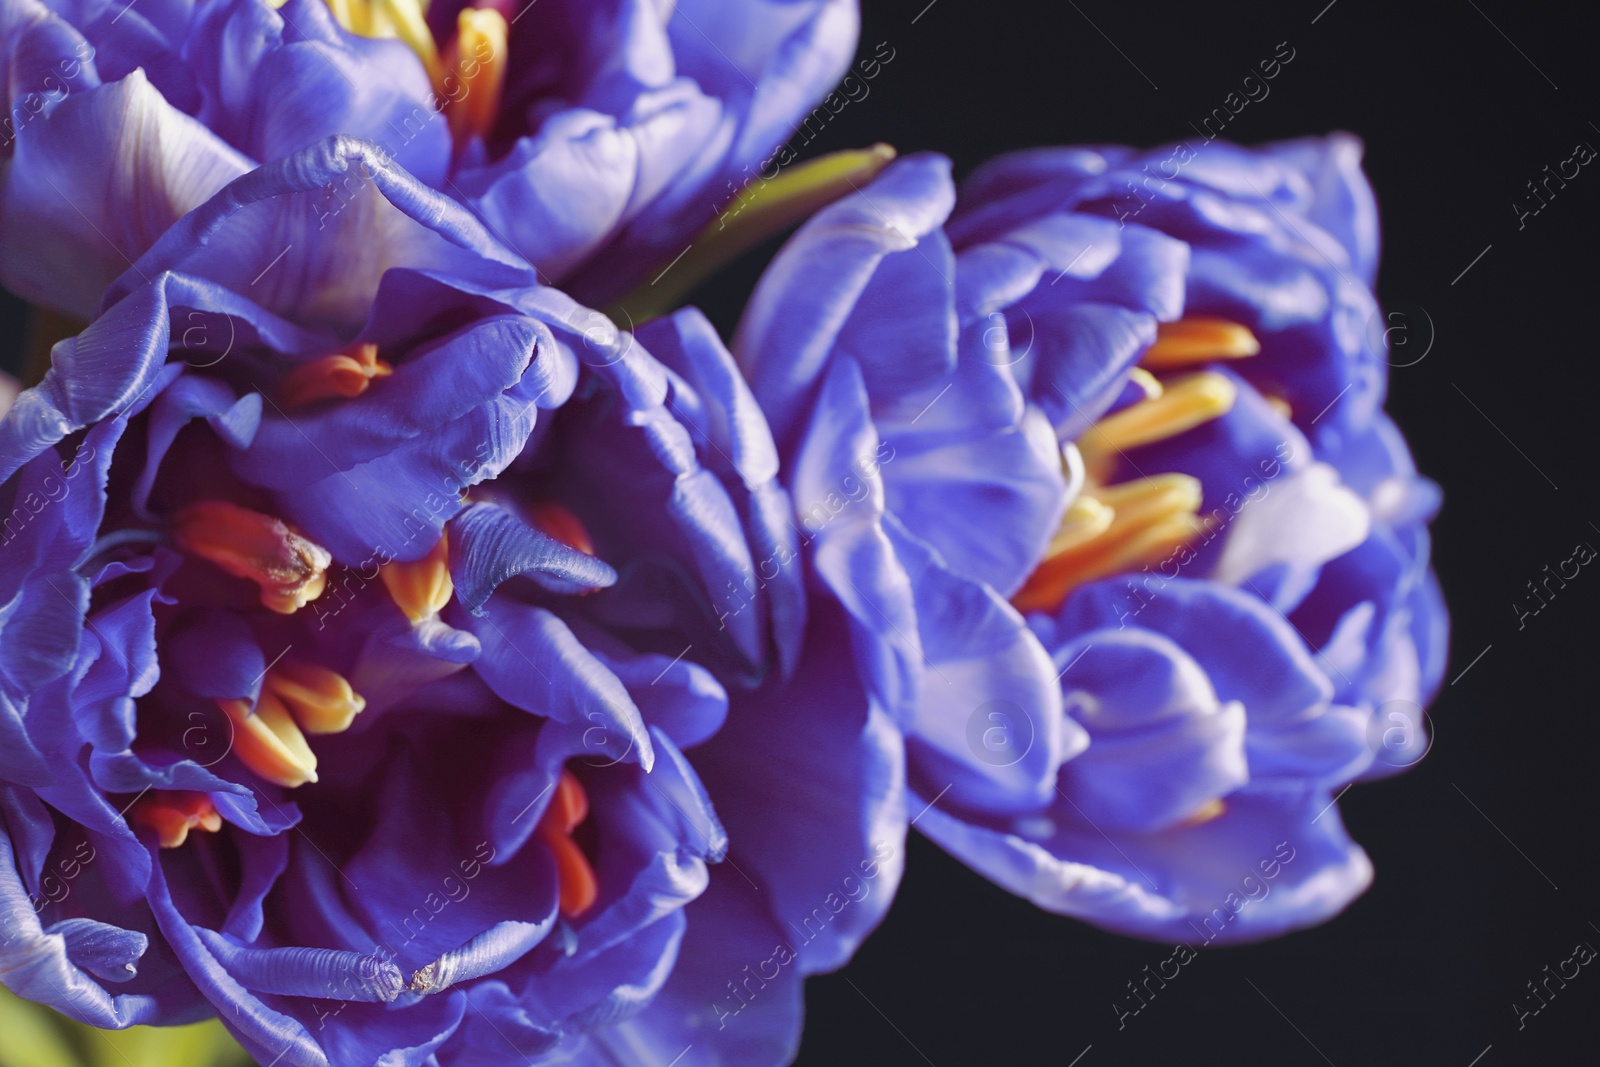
<point x="1149" y="519"/>
<point x="1086" y="519"/>
<point x="475" y="73"/>
<point x="1211" y="809"/>
<point x="1142" y="501"/>
<point x="269" y="742"/>
<point x="1199" y="340"/>
<point x="421" y="588"/>
<point x="344" y="374"/>
<point x="1280" y="405"/>
<point x="1182" y="405"/>
<point x="321" y="700"/>
<point x="173" y="813"/>
<point x="247" y="544"/>
<point x="404" y="19"/>
<point x="1146" y="381"/>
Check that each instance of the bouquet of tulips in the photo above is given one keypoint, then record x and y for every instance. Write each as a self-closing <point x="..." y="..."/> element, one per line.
<point x="426" y="640"/>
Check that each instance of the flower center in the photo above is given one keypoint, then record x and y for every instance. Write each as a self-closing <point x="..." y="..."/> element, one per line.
<point x="296" y="699"/>
<point x="1113" y="528"/>
<point x="568" y="808"/>
<point x="470" y="73"/>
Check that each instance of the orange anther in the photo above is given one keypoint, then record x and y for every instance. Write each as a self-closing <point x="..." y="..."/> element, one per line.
<point x="1199" y="340"/>
<point x="173" y="813"/>
<point x="247" y="544"/>
<point x="321" y="701"/>
<point x="475" y="73"/>
<point x="423" y="587"/>
<point x="344" y="374"/>
<point x="568" y="808"/>
<point x="268" y="741"/>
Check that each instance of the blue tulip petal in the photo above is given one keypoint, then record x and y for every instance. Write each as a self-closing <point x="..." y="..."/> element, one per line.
<point x="490" y="545"/>
<point x="234" y="418"/>
<point x="306" y="972"/>
<point x="980" y="481"/>
<point x="434" y="387"/>
<point x="533" y="661"/>
<point x="1167" y="885"/>
<point x="853" y="556"/>
<point x="729" y="928"/>
<point x="843" y="811"/>
<point x="213" y="654"/>
<point x="1251" y="654"/>
<point x="275" y="80"/>
<point x="1161" y="745"/>
<point x="38" y="965"/>
<point x="397" y="505"/>
<point x="809" y="291"/>
<point x="304" y="208"/>
<point x="679" y="697"/>
<point x="108" y="952"/>
<point x="497" y="1024"/>
<point x="718" y="405"/>
<point x="979" y="654"/>
<point x="511" y="906"/>
<point x="95" y="184"/>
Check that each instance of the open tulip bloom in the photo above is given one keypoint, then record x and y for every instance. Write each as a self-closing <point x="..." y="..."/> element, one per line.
<point x="405" y="663"/>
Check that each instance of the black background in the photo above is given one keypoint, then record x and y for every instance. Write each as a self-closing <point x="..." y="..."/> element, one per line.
<point x="1426" y="967"/>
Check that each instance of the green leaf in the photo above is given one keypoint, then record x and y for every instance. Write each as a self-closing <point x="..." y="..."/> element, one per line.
<point x="32" y="1035"/>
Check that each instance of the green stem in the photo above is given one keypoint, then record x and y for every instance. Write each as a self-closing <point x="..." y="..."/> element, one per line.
<point x="765" y="207"/>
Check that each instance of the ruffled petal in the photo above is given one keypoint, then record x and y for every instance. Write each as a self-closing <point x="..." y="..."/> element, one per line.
<point x="489" y="545"/>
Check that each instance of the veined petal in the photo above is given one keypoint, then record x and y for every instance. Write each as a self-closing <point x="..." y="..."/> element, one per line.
<point x="489" y="545"/>
<point x="93" y="185"/>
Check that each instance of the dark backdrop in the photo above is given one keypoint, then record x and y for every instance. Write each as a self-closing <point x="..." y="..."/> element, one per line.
<point x="1483" y="851"/>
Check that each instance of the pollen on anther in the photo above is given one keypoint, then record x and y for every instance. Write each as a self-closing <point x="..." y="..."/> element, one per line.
<point x="290" y="569"/>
